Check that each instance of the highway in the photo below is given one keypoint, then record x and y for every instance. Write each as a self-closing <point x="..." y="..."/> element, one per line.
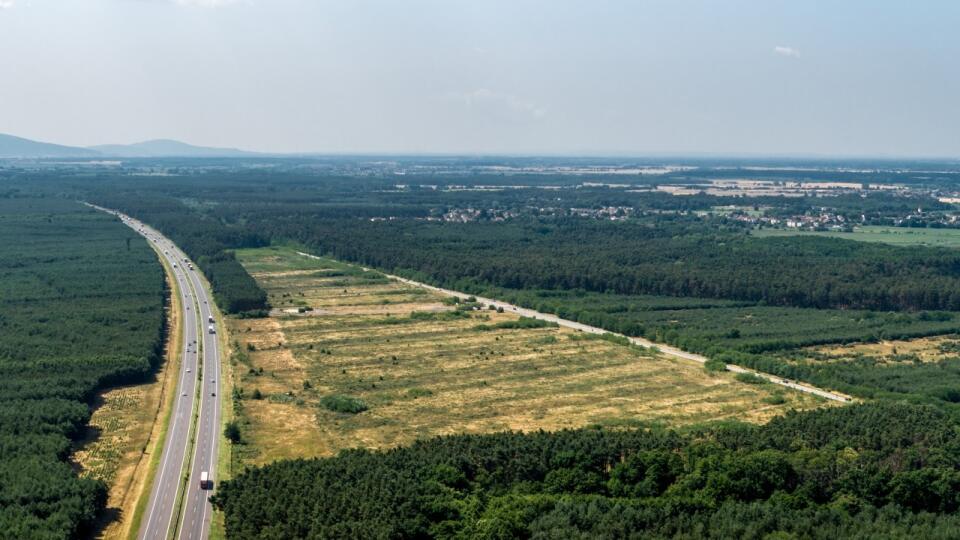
<point x="664" y="349"/>
<point x="177" y="508"/>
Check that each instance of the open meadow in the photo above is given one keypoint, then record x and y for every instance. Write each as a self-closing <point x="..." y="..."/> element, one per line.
<point x="349" y="358"/>
<point x="902" y="236"/>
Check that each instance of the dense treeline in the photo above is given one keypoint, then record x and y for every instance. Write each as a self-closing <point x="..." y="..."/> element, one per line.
<point x="81" y="307"/>
<point x="710" y="326"/>
<point x="858" y="471"/>
<point x="680" y="259"/>
<point x="662" y="251"/>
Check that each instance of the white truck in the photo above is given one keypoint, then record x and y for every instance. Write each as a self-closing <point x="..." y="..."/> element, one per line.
<point x="205" y="481"/>
<point x="210" y="319"/>
<point x="212" y="330"/>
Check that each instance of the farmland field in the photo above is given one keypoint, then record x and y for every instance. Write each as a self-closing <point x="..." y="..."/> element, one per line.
<point x="421" y="367"/>
<point x="903" y="236"/>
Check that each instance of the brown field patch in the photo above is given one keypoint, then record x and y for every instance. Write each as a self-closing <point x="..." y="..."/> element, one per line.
<point x="423" y="370"/>
<point x="929" y="349"/>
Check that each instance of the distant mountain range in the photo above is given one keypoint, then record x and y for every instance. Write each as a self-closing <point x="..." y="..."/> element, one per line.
<point x="18" y="147"/>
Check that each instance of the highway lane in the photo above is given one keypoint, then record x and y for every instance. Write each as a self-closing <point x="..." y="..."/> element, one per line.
<point x="198" y="391"/>
<point x="197" y="511"/>
<point x="665" y="349"/>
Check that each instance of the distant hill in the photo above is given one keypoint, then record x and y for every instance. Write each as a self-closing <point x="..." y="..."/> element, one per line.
<point x="167" y="148"/>
<point x="18" y="147"/>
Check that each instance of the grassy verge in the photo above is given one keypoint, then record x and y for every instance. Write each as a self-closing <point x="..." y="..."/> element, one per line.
<point x="165" y="412"/>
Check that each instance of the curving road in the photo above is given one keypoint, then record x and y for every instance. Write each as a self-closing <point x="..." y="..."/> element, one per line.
<point x="177" y="505"/>
<point x="665" y="349"/>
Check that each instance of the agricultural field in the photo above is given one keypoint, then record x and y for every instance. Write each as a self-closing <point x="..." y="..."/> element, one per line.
<point x="349" y="358"/>
<point x="903" y="236"/>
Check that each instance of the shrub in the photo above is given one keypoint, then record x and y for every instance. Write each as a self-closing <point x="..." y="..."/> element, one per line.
<point x="419" y="392"/>
<point x="775" y="399"/>
<point x="344" y="404"/>
<point x="751" y="378"/>
<point x="714" y="365"/>
<point x="232" y="432"/>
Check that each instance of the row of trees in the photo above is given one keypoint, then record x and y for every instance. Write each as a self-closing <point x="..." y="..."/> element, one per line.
<point x="81" y="307"/>
<point x="880" y="467"/>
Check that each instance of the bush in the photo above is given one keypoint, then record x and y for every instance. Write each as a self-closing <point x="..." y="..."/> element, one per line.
<point x="714" y="365"/>
<point x="751" y="378"/>
<point x="232" y="432"/>
<point x="520" y="324"/>
<point x="419" y="392"/>
<point x="344" y="404"/>
<point x="775" y="399"/>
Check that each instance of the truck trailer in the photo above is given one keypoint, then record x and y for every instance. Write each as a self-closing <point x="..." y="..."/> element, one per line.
<point x="205" y="481"/>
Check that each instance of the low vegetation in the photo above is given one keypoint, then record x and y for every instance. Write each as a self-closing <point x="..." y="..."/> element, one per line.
<point x="422" y="367"/>
<point x="344" y="404"/>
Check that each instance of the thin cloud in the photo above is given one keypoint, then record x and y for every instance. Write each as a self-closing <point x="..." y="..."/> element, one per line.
<point x="510" y="101"/>
<point x="4" y="4"/>
<point x="201" y="3"/>
<point x="789" y="52"/>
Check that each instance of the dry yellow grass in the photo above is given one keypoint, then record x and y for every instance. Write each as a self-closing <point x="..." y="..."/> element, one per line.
<point x="929" y="349"/>
<point x="437" y="373"/>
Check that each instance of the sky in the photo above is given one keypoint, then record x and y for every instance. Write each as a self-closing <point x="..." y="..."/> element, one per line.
<point x="549" y="77"/>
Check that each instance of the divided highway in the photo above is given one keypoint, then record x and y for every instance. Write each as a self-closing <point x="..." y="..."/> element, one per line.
<point x="175" y="507"/>
<point x="665" y="349"/>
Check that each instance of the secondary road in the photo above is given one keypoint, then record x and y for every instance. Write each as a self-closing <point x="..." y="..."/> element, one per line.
<point x="177" y="506"/>
<point x="665" y="349"/>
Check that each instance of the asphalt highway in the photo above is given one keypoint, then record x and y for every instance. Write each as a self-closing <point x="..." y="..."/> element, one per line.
<point x="189" y="450"/>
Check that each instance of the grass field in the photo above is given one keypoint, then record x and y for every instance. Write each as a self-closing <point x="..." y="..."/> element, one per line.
<point x="421" y="368"/>
<point x="903" y="236"/>
<point x="931" y="349"/>
<point x="119" y="430"/>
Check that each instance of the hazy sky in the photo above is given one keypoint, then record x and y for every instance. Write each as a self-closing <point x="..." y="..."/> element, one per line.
<point x="847" y="77"/>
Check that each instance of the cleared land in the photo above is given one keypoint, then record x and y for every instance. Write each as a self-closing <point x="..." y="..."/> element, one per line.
<point x="421" y="367"/>
<point x="932" y="349"/>
<point x="902" y="236"/>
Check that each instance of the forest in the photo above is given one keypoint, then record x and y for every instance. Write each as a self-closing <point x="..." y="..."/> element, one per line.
<point x="863" y="471"/>
<point x="665" y="274"/>
<point x="81" y="308"/>
<point x="672" y="272"/>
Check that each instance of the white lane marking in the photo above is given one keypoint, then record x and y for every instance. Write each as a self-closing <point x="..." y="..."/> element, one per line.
<point x="163" y="469"/>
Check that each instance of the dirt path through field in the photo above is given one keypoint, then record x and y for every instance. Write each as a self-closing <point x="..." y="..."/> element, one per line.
<point x="665" y="349"/>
